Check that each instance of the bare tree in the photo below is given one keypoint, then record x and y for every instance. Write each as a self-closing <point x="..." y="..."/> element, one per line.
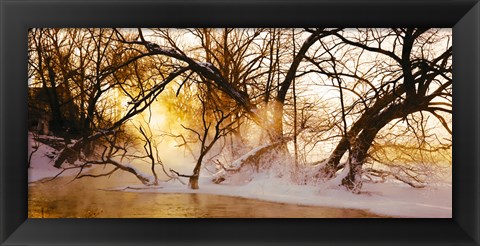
<point x="412" y="79"/>
<point x="385" y="79"/>
<point x="213" y="127"/>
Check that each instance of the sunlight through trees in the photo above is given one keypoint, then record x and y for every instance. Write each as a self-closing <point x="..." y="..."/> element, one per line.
<point x="311" y="106"/>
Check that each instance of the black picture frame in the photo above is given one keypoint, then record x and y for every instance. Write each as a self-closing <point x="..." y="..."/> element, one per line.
<point x="19" y="15"/>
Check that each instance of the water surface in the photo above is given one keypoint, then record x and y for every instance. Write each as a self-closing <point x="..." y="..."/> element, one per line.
<point x="84" y="198"/>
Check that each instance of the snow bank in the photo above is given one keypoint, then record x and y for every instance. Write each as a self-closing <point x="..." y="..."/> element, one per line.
<point x="389" y="199"/>
<point x="41" y="164"/>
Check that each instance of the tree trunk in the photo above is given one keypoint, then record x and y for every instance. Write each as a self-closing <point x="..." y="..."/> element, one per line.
<point x="367" y="119"/>
<point x="285" y="85"/>
<point x="193" y="181"/>
<point x="353" y="181"/>
<point x="88" y="124"/>
<point x="330" y="168"/>
<point x="364" y="141"/>
<point x="277" y="121"/>
<point x="57" y="121"/>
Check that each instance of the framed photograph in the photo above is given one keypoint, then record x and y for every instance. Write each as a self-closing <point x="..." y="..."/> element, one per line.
<point x="239" y="122"/>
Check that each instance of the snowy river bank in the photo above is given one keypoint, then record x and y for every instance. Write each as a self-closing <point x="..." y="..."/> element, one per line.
<point x="109" y="196"/>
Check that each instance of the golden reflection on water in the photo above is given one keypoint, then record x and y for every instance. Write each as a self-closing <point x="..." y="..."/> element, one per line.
<point x="82" y="199"/>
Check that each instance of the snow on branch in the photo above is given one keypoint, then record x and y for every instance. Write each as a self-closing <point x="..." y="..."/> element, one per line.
<point x="251" y="157"/>
<point x="205" y="69"/>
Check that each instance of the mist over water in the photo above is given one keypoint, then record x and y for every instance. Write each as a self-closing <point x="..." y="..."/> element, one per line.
<point x="88" y="198"/>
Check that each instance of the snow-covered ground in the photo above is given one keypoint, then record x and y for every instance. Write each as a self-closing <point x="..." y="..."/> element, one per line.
<point x="41" y="165"/>
<point x="389" y="198"/>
